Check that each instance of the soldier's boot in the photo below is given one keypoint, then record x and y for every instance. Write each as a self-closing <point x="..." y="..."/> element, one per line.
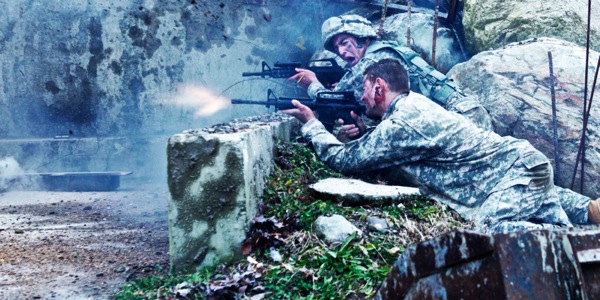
<point x="594" y="212"/>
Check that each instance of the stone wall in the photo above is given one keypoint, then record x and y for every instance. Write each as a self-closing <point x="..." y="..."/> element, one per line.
<point x="142" y="155"/>
<point x="216" y="181"/>
<point x="106" y="68"/>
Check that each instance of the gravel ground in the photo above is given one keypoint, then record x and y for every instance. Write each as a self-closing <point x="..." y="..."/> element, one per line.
<point x="80" y="245"/>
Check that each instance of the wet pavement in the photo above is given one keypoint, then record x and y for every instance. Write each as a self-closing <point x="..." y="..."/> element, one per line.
<point x="80" y="245"/>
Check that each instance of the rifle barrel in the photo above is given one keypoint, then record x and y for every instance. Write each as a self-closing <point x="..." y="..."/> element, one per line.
<point x="328" y="74"/>
<point x="262" y="74"/>
<point x="286" y="103"/>
<point x="254" y="102"/>
<point x="273" y="73"/>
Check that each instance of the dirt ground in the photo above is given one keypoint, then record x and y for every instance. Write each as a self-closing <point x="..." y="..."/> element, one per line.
<point x="80" y="245"/>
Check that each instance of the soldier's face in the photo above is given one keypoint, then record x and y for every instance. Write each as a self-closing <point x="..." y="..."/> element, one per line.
<point x="373" y="99"/>
<point x="348" y="48"/>
<point x="369" y="94"/>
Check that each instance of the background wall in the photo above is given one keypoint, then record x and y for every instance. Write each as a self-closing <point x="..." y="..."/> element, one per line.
<point x="109" y="78"/>
<point x="106" y="77"/>
<point x="108" y="68"/>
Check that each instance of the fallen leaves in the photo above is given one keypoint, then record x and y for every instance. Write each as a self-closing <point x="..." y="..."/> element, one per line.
<point x="231" y="283"/>
<point x="267" y="233"/>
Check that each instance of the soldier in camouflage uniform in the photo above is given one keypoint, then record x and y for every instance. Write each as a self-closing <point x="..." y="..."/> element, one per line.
<point x="352" y="37"/>
<point x="502" y="184"/>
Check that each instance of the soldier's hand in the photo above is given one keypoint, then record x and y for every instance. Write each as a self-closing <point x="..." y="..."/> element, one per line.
<point x="359" y="122"/>
<point x="351" y="131"/>
<point x="347" y="132"/>
<point x="302" y="112"/>
<point x="304" y="77"/>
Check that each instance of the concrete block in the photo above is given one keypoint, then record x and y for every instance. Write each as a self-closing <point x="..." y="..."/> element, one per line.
<point x="357" y="192"/>
<point x="215" y="181"/>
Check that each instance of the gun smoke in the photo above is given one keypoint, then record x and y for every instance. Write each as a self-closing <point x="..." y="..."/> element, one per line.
<point x="203" y="101"/>
<point x="10" y="171"/>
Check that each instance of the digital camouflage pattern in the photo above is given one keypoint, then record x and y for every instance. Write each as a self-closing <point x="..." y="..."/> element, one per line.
<point x="501" y="183"/>
<point x="424" y="79"/>
<point x="355" y="25"/>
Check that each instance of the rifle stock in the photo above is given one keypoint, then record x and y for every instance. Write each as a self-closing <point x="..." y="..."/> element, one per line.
<point x="330" y="106"/>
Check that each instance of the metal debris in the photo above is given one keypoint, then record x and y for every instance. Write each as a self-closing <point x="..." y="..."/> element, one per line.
<point x="519" y="265"/>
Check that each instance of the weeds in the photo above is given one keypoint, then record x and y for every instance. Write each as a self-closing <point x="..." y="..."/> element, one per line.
<point x="309" y="269"/>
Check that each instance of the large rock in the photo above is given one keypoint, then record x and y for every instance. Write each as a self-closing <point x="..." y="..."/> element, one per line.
<point x="491" y="24"/>
<point x="513" y="83"/>
<point x="448" y="50"/>
<point x="215" y="182"/>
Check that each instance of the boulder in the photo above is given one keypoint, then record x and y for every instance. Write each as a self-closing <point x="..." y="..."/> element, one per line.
<point x="513" y="83"/>
<point x="492" y="24"/>
<point x="448" y="50"/>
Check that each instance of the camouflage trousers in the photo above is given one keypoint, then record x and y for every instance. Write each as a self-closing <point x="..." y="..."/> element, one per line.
<point x="538" y="205"/>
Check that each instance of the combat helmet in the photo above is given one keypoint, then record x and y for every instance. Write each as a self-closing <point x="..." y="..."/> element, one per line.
<point x="351" y="24"/>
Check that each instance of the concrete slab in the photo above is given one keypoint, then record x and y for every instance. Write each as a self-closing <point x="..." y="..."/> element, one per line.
<point x="358" y="192"/>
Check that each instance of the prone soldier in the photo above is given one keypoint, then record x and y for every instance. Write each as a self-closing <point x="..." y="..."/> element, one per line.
<point x="502" y="184"/>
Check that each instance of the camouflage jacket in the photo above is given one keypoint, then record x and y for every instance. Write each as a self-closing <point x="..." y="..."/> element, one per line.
<point x="449" y="158"/>
<point x="424" y="80"/>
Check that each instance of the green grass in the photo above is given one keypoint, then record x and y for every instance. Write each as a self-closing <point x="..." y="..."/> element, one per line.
<point x="310" y="269"/>
<point x="156" y="287"/>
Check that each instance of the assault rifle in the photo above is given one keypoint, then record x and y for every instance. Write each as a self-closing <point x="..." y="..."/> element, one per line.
<point x="329" y="74"/>
<point x="330" y="106"/>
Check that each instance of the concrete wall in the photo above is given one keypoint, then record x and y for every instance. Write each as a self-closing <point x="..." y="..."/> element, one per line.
<point x="101" y="67"/>
<point x="106" y="70"/>
<point x="216" y="181"/>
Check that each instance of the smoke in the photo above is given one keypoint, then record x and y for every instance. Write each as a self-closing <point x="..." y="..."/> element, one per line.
<point x="203" y="101"/>
<point x="10" y="172"/>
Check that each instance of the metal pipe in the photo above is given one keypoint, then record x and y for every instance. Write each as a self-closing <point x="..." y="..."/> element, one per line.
<point x="399" y="7"/>
<point x="586" y="113"/>
<point x="586" y="116"/>
<point x="452" y="11"/>
<point x="408" y="28"/>
<point x="435" y="25"/>
<point x="554" y="125"/>
<point x="383" y="12"/>
<point x="459" y="42"/>
<point x="581" y="152"/>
